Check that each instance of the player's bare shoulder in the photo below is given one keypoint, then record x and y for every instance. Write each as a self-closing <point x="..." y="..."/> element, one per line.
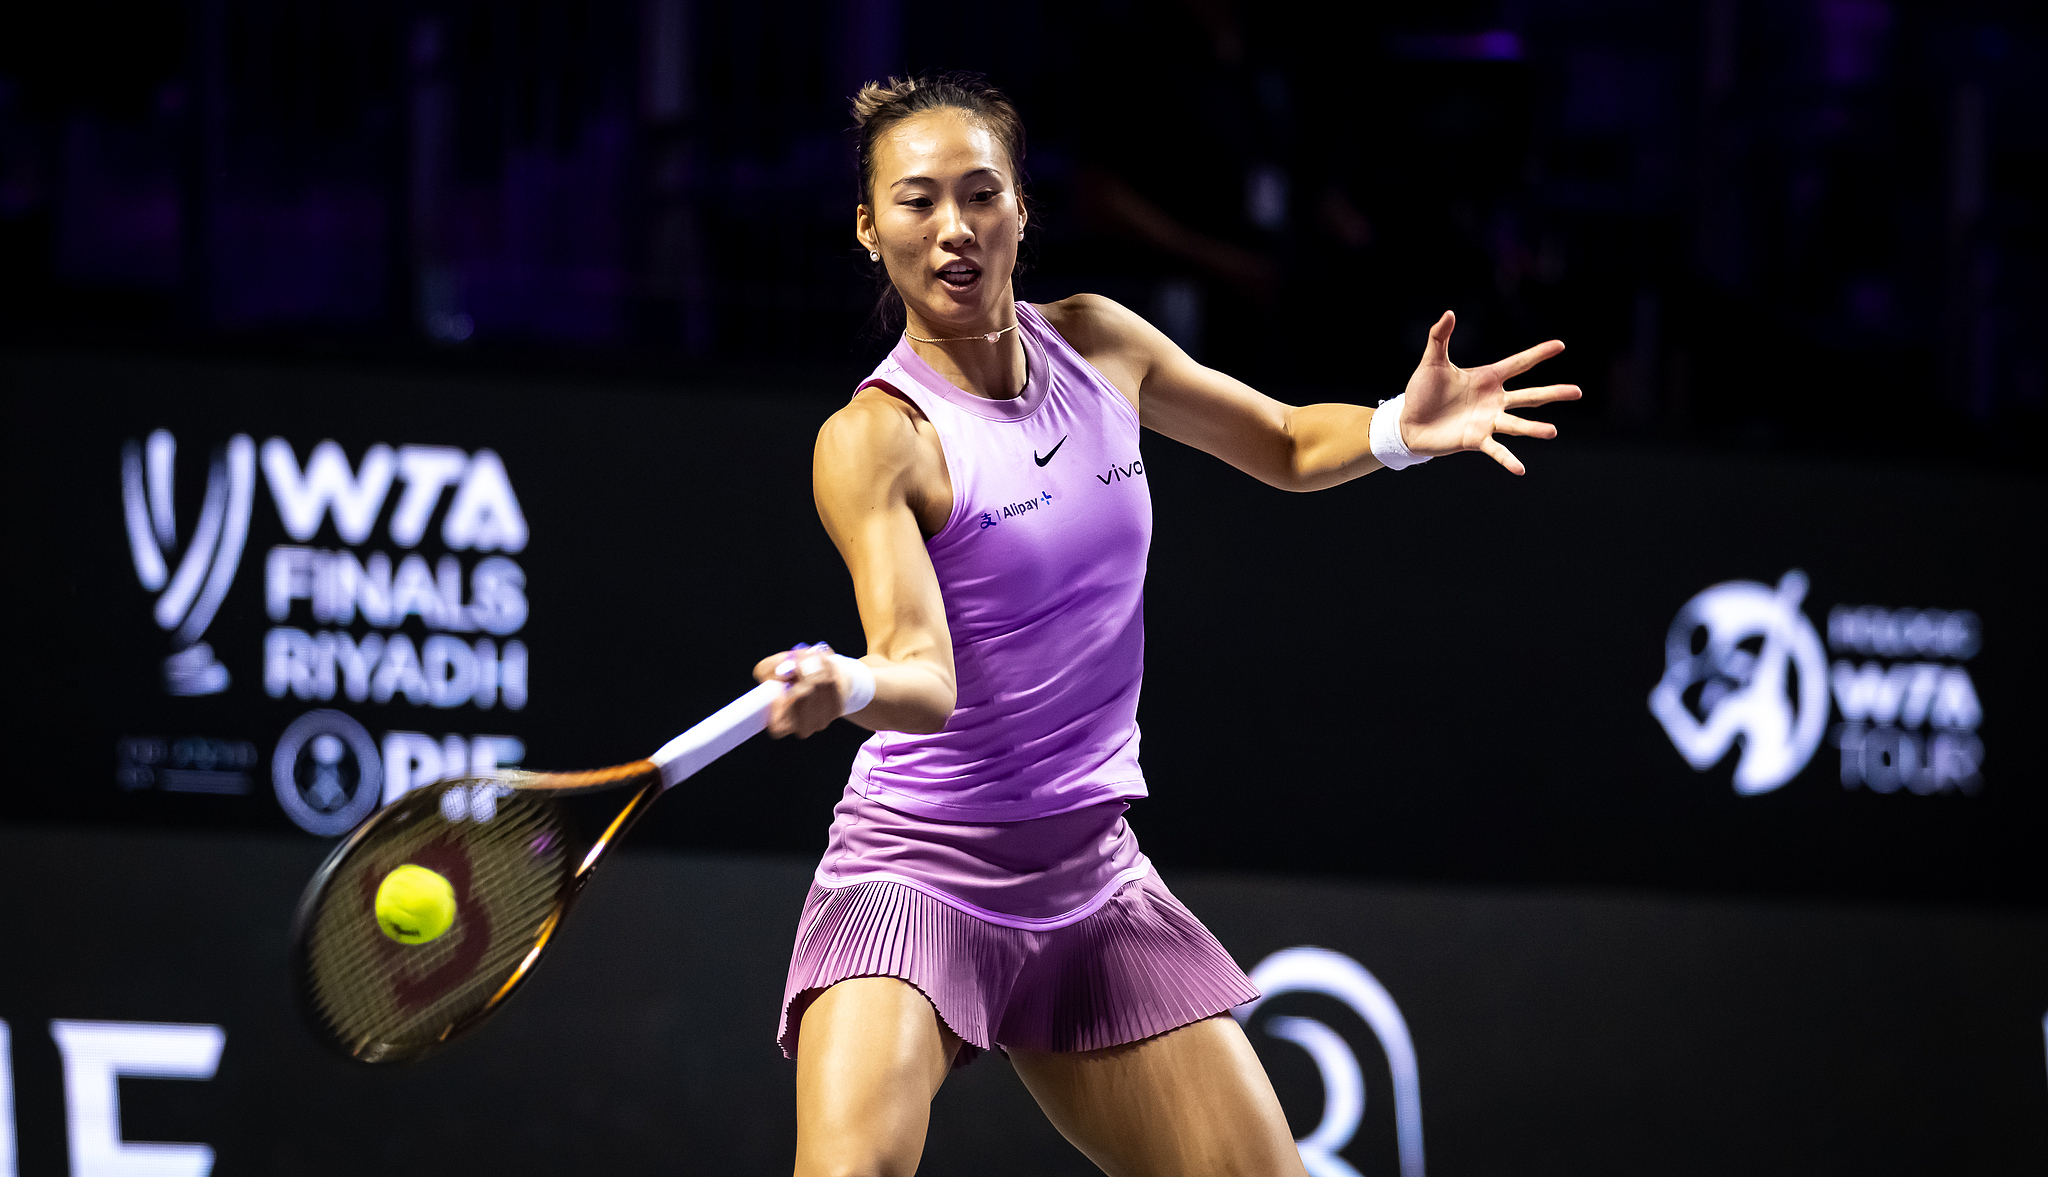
<point x="875" y="431"/>
<point x="880" y="449"/>
<point x="1109" y="335"/>
<point x="1092" y="322"/>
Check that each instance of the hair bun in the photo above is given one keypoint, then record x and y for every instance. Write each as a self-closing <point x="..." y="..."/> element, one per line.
<point x="874" y="96"/>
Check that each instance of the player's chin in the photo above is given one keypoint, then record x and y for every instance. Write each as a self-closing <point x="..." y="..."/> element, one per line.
<point x="951" y="317"/>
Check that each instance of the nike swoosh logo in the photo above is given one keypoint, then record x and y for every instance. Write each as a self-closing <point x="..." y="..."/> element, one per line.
<point x="1047" y="458"/>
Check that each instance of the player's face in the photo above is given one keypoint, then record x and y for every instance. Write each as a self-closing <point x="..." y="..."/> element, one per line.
<point x="946" y="217"/>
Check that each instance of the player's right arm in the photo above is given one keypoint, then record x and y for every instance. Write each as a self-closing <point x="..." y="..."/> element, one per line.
<point x="879" y="478"/>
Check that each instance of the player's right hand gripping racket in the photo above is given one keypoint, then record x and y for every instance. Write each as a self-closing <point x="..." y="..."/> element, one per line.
<point x="516" y="851"/>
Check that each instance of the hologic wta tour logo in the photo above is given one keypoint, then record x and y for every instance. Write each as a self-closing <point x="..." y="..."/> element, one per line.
<point x="1743" y="663"/>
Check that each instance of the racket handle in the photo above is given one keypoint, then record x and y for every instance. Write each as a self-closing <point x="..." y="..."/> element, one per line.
<point x="721" y="732"/>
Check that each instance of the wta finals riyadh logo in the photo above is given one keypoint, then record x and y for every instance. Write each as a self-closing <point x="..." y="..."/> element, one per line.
<point x="1742" y="660"/>
<point x="189" y="596"/>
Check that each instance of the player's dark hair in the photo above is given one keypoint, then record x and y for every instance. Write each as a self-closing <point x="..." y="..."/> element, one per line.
<point x="881" y="105"/>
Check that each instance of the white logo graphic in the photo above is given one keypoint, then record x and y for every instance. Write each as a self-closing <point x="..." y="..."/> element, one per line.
<point x="1740" y="645"/>
<point x="468" y="656"/>
<point x="97" y="1056"/>
<point x="484" y="513"/>
<point x="1910" y="723"/>
<point x="192" y="594"/>
<point x="326" y="773"/>
<point x="477" y="802"/>
<point x="1319" y="970"/>
<point x="414" y="760"/>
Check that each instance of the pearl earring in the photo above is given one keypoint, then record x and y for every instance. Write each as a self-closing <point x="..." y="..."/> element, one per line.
<point x="873" y="256"/>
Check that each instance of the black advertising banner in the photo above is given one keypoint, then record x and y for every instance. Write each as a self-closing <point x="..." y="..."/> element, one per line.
<point x="1672" y="811"/>
<point x="322" y="591"/>
<point x="1630" y="665"/>
<point x="1408" y="1031"/>
<point x="272" y="597"/>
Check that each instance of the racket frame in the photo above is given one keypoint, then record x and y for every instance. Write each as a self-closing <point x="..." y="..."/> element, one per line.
<point x="622" y="776"/>
<point x="676" y="761"/>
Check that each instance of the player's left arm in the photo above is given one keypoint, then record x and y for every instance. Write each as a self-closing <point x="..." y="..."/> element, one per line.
<point x="1304" y="447"/>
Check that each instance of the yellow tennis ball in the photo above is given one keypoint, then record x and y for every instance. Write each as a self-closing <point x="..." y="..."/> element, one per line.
<point x="415" y="905"/>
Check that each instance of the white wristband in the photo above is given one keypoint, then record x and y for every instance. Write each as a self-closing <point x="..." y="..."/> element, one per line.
<point x="1385" y="437"/>
<point x="860" y="683"/>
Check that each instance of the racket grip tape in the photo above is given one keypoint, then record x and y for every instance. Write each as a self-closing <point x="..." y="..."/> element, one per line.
<point x="720" y="732"/>
<point x="745" y="717"/>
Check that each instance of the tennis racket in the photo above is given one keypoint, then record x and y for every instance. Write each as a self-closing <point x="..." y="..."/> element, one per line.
<point x="517" y="847"/>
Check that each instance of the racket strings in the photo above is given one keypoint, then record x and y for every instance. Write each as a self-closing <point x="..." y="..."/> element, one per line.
<point x="510" y="872"/>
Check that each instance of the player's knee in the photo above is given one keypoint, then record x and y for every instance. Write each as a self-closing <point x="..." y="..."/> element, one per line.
<point x="858" y="1138"/>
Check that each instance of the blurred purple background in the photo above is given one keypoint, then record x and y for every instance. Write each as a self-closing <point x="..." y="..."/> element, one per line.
<point x="1815" y="224"/>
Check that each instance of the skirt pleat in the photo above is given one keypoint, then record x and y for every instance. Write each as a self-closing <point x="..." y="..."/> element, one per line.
<point x="1136" y="968"/>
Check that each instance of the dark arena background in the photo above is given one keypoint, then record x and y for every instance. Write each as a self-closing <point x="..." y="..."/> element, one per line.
<point x="395" y="389"/>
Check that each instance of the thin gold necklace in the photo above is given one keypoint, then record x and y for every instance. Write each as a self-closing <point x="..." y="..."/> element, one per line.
<point x="989" y="337"/>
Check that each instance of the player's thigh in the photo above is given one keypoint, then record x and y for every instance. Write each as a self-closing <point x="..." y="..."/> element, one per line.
<point x="1194" y="1101"/>
<point x="871" y="1053"/>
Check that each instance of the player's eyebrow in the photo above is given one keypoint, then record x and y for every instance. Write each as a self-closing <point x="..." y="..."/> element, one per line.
<point x="929" y="180"/>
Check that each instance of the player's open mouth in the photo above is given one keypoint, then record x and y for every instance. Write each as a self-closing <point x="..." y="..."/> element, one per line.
<point x="959" y="275"/>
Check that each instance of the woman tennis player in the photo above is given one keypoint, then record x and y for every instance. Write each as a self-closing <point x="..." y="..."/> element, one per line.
<point x="980" y="888"/>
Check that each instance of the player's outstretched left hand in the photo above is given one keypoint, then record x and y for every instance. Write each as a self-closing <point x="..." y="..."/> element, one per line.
<point x="1449" y="408"/>
<point x="816" y="693"/>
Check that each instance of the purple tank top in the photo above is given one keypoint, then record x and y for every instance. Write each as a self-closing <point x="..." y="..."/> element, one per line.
<point x="1042" y="566"/>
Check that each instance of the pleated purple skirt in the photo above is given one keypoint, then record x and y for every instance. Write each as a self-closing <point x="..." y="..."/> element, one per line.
<point x="1139" y="966"/>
